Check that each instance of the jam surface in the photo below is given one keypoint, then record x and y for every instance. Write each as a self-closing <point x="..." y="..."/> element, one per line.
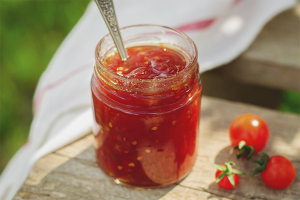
<point x="147" y="62"/>
<point x="140" y="148"/>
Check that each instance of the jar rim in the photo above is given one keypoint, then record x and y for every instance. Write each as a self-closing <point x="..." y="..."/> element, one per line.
<point x="193" y="60"/>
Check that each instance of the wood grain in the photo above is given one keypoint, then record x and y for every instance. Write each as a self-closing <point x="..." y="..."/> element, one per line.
<point x="81" y="178"/>
<point x="50" y="162"/>
<point x="273" y="59"/>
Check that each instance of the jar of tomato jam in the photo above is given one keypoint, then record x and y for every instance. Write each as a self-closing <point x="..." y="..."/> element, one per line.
<point x="147" y="109"/>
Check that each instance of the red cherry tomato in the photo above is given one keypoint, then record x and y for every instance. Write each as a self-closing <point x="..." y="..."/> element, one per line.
<point x="279" y="172"/>
<point x="250" y="128"/>
<point x="224" y="183"/>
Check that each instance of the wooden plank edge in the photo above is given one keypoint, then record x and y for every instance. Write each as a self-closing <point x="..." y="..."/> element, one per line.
<point x="261" y="73"/>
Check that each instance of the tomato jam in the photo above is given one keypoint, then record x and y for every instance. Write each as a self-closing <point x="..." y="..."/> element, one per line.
<point x="146" y="115"/>
<point x="147" y="62"/>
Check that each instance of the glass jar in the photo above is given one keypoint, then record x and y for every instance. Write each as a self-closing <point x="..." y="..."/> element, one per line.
<point x="146" y="130"/>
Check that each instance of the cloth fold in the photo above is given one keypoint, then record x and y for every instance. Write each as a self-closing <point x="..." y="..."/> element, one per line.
<point x="221" y="29"/>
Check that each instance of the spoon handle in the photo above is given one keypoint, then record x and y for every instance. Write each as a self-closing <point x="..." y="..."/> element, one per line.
<point x="108" y="13"/>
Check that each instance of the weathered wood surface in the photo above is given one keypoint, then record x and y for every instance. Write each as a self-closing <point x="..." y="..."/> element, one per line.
<point x="79" y="177"/>
<point x="273" y="59"/>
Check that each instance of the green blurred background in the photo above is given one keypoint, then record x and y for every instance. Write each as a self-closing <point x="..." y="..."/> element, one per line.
<point x="30" y="33"/>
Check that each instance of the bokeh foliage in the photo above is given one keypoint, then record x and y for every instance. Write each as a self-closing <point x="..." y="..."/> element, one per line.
<point x="31" y="31"/>
<point x="290" y="102"/>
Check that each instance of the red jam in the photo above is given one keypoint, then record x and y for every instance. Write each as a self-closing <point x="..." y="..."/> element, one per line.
<point x="147" y="62"/>
<point x="147" y="139"/>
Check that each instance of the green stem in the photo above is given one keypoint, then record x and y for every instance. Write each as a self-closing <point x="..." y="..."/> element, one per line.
<point x="262" y="162"/>
<point x="243" y="149"/>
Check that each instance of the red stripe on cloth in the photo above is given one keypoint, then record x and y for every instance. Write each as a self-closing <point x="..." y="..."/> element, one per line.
<point x="202" y="24"/>
<point x="26" y="143"/>
<point x="42" y="91"/>
<point x="236" y="1"/>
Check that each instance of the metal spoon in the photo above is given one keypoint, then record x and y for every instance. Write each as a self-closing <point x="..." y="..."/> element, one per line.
<point x="108" y="13"/>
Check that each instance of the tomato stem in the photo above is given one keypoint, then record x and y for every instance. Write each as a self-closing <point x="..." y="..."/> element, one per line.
<point x="262" y="162"/>
<point x="243" y="148"/>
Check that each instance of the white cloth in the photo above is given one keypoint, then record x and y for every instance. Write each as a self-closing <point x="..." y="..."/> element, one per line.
<point x="221" y="29"/>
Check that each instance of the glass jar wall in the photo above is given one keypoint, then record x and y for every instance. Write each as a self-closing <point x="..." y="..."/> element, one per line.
<point x="146" y="126"/>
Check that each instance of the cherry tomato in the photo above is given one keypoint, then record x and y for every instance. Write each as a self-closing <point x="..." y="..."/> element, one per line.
<point x="250" y="128"/>
<point x="226" y="176"/>
<point x="224" y="183"/>
<point x="279" y="173"/>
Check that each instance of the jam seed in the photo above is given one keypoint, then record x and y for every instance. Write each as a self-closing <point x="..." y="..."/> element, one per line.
<point x="154" y="128"/>
<point x="110" y="125"/>
<point x="178" y="66"/>
<point x="101" y="131"/>
<point x="190" y="95"/>
<point x="139" y="158"/>
<point x="174" y="122"/>
<point x="131" y="164"/>
<point x="148" y="150"/>
<point x="120" y="167"/>
<point x="186" y="84"/>
<point x="120" y="68"/>
<point x="126" y="151"/>
<point x="146" y="62"/>
<point x="126" y="69"/>
<point x="134" y="142"/>
<point x="145" y="58"/>
<point x="124" y="139"/>
<point x="142" y="53"/>
<point x="119" y="72"/>
<point x="184" y="60"/>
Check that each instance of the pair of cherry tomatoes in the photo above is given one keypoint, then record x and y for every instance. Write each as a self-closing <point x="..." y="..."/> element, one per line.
<point x="249" y="134"/>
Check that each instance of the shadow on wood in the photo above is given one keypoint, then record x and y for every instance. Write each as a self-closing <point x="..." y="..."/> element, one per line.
<point x="251" y="186"/>
<point x="81" y="178"/>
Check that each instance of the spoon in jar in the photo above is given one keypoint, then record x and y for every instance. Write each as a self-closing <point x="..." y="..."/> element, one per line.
<point x="108" y="13"/>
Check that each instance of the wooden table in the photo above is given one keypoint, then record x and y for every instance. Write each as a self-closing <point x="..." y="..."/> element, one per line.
<point x="72" y="172"/>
